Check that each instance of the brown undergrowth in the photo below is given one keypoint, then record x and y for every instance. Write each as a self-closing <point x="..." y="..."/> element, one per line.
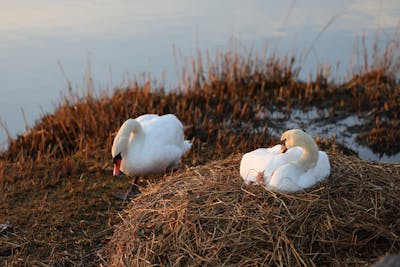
<point x="220" y="100"/>
<point x="58" y="211"/>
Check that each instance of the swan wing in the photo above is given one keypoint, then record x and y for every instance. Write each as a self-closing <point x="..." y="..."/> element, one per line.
<point x="285" y="178"/>
<point x="142" y="119"/>
<point x="291" y="178"/>
<point x="323" y="167"/>
<point x="160" y="161"/>
<point x="253" y="163"/>
<point x="161" y="146"/>
<point x="164" y="130"/>
<point x="316" y="174"/>
<point x="266" y="160"/>
<point x="279" y="159"/>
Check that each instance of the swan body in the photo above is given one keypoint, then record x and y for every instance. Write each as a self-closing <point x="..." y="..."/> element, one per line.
<point x="149" y="144"/>
<point x="293" y="165"/>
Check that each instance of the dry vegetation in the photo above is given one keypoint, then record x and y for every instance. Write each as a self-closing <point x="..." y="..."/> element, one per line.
<point x="206" y="216"/>
<point x="221" y="100"/>
<point x="56" y="189"/>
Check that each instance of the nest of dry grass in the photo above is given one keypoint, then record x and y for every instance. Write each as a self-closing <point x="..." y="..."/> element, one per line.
<point x="206" y="216"/>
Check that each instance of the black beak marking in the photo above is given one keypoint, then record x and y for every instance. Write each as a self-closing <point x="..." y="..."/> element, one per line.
<point x="117" y="157"/>
<point x="283" y="142"/>
<point x="283" y="146"/>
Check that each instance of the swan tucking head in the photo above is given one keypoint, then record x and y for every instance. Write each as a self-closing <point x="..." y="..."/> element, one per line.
<point x="292" y="138"/>
<point x="297" y="137"/>
<point x="283" y="146"/>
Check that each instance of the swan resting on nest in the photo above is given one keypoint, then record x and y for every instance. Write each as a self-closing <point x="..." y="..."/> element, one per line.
<point x="293" y="165"/>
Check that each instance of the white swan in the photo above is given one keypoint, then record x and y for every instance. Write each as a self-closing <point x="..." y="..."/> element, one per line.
<point x="149" y="144"/>
<point x="293" y="165"/>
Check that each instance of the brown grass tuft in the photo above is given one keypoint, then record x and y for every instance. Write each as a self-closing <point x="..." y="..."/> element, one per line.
<point x="206" y="216"/>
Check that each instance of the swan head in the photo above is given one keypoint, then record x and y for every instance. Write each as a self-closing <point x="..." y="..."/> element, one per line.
<point x="121" y="142"/>
<point x="297" y="137"/>
<point x="118" y="150"/>
<point x="117" y="164"/>
<point x="288" y="139"/>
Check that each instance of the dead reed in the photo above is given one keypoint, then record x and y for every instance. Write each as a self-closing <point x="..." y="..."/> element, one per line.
<point x="206" y="216"/>
<point x="220" y="100"/>
<point x="56" y="186"/>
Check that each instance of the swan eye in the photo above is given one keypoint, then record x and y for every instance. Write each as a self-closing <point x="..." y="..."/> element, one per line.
<point x="283" y="142"/>
<point x="117" y="158"/>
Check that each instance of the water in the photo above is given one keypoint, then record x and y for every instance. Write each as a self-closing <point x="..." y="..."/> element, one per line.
<point x="316" y="122"/>
<point x="45" y="43"/>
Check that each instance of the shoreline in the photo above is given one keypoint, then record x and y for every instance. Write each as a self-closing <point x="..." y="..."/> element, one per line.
<point x="56" y="184"/>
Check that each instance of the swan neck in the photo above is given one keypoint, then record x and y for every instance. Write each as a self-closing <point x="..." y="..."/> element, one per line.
<point x="130" y="130"/>
<point x="309" y="157"/>
<point x="131" y="126"/>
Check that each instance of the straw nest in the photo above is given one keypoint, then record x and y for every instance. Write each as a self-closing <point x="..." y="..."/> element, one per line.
<point x="206" y="216"/>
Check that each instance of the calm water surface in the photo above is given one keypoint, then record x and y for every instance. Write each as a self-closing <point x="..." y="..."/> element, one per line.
<point x="45" y="43"/>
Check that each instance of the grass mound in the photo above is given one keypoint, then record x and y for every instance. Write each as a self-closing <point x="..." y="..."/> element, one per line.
<point x="206" y="216"/>
<point x="56" y="190"/>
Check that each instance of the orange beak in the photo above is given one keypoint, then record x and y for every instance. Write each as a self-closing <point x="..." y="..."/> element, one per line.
<point x="283" y="148"/>
<point x="117" y="166"/>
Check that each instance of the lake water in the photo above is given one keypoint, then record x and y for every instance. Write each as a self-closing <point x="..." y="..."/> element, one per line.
<point x="45" y="43"/>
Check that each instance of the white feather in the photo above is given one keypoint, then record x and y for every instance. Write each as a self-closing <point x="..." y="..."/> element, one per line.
<point x="150" y="144"/>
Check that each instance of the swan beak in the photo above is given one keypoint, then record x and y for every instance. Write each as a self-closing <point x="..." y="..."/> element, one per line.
<point x="117" y="165"/>
<point x="283" y="148"/>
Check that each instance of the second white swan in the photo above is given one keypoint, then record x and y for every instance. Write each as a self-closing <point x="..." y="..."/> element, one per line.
<point x="293" y="165"/>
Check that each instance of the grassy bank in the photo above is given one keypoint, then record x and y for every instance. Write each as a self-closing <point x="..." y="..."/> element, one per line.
<point x="56" y="188"/>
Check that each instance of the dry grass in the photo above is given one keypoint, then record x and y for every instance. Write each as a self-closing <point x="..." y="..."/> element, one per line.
<point x="220" y="99"/>
<point x="206" y="216"/>
<point x="59" y="211"/>
<point x="56" y="186"/>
